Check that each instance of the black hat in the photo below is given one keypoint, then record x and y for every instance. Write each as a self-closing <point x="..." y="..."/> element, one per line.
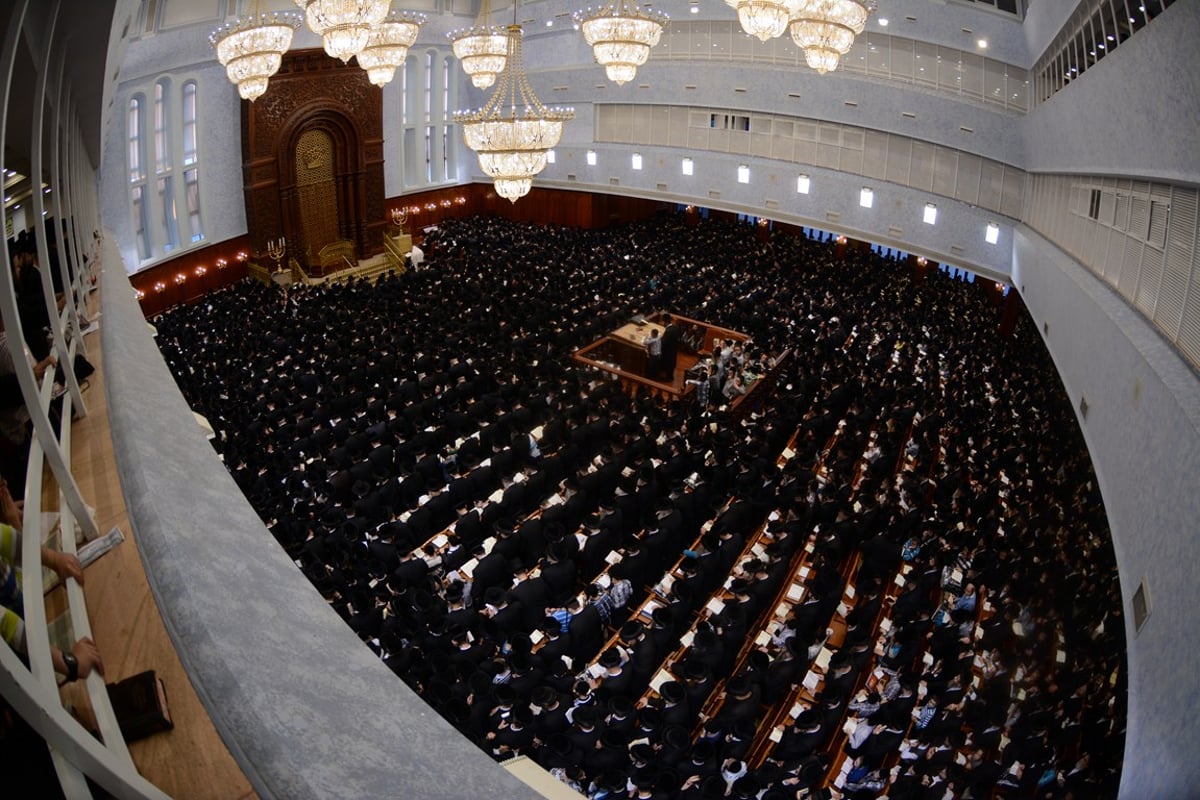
<point x="676" y="737"/>
<point x="612" y="780"/>
<point x="504" y="694"/>
<point x="663" y="617"/>
<point x="610" y="658"/>
<point x="631" y="630"/>
<point x="808" y="718"/>
<point x="621" y="705"/>
<point x="585" y="716"/>
<point x="672" y="692"/>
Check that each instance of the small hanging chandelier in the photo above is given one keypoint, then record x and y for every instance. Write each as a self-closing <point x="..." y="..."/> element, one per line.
<point x="766" y="19"/>
<point x="825" y="29"/>
<point x="481" y="49"/>
<point x="251" y="49"/>
<point x="514" y="131"/>
<point x="343" y="25"/>
<point x="388" y="44"/>
<point x="621" y="35"/>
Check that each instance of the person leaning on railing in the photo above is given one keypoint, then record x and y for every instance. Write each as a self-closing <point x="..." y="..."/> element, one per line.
<point x="84" y="656"/>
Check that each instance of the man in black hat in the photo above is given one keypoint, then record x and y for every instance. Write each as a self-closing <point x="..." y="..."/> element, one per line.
<point x="513" y="736"/>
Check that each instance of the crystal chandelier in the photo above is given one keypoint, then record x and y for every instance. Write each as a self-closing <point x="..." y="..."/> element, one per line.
<point x="513" y="132"/>
<point x="481" y="49"/>
<point x="251" y="49"/>
<point x="343" y="25"/>
<point x="825" y="29"/>
<point x="766" y="19"/>
<point x="621" y="35"/>
<point x="388" y="44"/>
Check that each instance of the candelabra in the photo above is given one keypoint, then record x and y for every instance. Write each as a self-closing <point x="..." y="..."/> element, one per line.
<point x="399" y="217"/>
<point x="276" y="248"/>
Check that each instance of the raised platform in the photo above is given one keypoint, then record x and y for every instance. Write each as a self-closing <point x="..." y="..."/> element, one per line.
<point x="622" y="353"/>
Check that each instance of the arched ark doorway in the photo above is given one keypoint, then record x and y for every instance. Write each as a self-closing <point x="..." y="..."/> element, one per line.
<point x="313" y="148"/>
<point x="316" y="193"/>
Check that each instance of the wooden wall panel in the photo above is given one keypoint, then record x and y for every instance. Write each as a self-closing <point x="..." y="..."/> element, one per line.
<point x="313" y="91"/>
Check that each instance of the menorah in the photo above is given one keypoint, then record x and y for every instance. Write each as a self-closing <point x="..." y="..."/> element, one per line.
<point x="276" y="248"/>
<point x="399" y="217"/>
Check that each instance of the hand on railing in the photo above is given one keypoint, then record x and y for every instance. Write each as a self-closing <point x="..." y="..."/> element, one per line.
<point x="39" y="369"/>
<point x="79" y="663"/>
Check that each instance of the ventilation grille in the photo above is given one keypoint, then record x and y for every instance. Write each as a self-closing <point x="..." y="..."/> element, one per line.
<point x="772" y="205"/>
<point x="713" y="194"/>
<point x="614" y="181"/>
<point x="662" y="187"/>
<point x="832" y="216"/>
<point x="1136" y="236"/>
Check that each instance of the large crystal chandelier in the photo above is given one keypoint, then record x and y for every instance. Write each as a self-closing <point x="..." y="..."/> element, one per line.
<point x="388" y="44"/>
<point x="251" y="49"/>
<point x="514" y="131"/>
<point x="825" y="29"/>
<point x="481" y="49"/>
<point x="343" y="25"/>
<point x="621" y="35"/>
<point x="766" y="19"/>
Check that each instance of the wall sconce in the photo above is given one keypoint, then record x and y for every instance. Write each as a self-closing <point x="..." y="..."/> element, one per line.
<point x="431" y="207"/>
<point x="993" y="233"/>
<point x="591" y="158"/>
<point x="200" y="271"/>
<point x="803" y="184"/>
<point x="242" y="256"/>
<point x="841" y="240"/>
<point x="160" y="287"/>
<point x="139" y="294"/>
<point x="866" y="197"/>
<point x="637" y="160"/>
<point x="181" y="279"/>
<point x="688" y="166"/>
<point x="462" y="201"/>
<point x="222" y="263"/>
<point x="446" y="204"/>
<point x="930" y="216"/>
<point x="550" y="157"/>
<point x="921" y="261"/>
<point x="743" y="173"/>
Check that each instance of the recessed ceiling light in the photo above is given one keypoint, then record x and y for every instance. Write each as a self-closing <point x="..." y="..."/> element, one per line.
<point x="695" y="9"/>
<point x="883" y="22"/>
<point x="982" y="44"/>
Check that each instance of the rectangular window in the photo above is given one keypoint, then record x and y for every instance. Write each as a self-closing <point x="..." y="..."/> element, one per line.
<point x="404" y="92"/>
<point x="189" y="123"/>
<point x="446" y="152"/>
<point x="428" y="85"/>
<point x="139" y="222"/>
<point x="191" y="183"/>
<point x="134" y="124"/>
<point x="166" y="199"/>
<point x="446" y="89"/>
<point x="162" y="144"/>
<point x="429" y="154"/>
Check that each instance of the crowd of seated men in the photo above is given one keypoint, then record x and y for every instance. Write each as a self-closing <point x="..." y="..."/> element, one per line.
<point x="529" y="547"/>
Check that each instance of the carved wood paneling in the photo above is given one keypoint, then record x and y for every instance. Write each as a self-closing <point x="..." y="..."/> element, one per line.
<point x="313" y="92"/>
